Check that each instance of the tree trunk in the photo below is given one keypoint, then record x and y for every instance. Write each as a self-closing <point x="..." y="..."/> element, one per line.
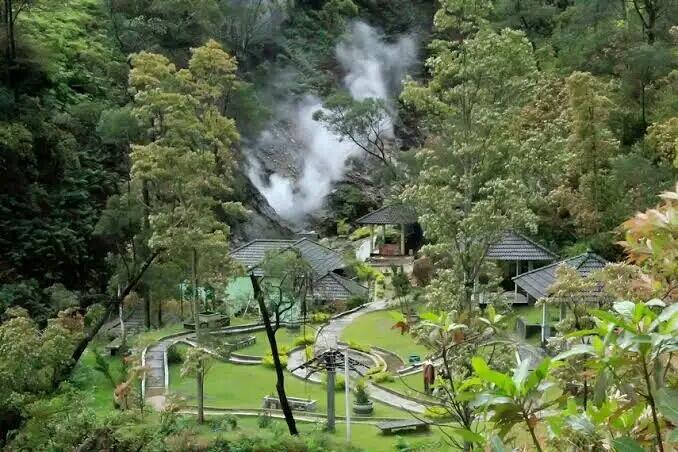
<point x="196" y="302"/>
<point x="147" y="307"/>
<point x="111" y="305"/>
<point x="121" y="317"/>
<point x="280" y="383"/>
<point x="159" y="306"/>
<point x="201" y="395"/>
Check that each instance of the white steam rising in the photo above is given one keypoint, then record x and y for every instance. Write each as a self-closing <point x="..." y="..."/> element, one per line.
<point x="374" y="68"/>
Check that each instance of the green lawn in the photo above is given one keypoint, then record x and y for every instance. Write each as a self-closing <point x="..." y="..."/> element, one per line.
<point x="375" y="328"/>
<point x="284" y="337"/>
<point x="410" y="385"/>
<point x="238" y="386"/>
<point x="85" y="376"/>
<point x="533" y="314"/>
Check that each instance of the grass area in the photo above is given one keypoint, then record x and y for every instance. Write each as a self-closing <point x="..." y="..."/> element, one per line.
<point x="85" y="376"/>
<point x="147" y="338"/>
<point x="375" y="328"/>
<point x="284" y="337"/>
<point x="410" y="385"/>
<point x="533" y="314"/>
<point x="237" y="386"/>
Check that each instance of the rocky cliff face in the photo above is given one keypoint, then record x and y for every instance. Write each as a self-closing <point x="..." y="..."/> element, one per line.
<point x="262" y="221"/>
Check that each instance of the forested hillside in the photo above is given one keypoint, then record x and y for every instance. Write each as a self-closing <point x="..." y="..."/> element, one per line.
<point x="143" y="140"/>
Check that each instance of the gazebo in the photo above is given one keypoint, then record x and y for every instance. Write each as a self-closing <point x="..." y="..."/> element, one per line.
<point x="520" y="254"/>
<point x="536" y="283"/>
<point x="395" y="214"/>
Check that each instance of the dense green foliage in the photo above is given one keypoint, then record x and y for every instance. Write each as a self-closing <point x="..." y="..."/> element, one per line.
<point x="121" y="125"/>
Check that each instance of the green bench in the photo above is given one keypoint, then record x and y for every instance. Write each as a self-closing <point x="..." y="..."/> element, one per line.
<point x="414" y="359"/>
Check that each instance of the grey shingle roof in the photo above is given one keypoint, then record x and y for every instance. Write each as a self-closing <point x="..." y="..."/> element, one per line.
<point x="516" y="247"/>
<point x="253" y="253"/>
<point x="393" y="214"/>
<point x="335" y="287"/>
<point x="537" y="282"/>
<point x="319" y="257"/>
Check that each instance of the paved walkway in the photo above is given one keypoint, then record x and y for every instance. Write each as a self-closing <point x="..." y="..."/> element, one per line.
<point x="328" y="337"/>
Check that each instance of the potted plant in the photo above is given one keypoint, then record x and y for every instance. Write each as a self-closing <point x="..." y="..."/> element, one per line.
<point x="362" y="404"/>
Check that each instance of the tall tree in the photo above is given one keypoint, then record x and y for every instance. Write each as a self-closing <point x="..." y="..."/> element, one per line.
<point x="281" y="295"/>
<point x="591" y="144"/>
<point x="465" y="194"/>
<point x="185" y="165"/>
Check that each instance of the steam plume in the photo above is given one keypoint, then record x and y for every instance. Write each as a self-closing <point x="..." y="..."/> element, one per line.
<point x="374" y="68"/>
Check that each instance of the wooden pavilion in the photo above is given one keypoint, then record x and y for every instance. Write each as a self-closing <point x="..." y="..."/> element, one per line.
<point x="396" y="214"/>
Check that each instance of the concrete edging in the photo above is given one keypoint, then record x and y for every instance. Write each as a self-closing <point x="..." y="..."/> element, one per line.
<point x="405" y="396"/>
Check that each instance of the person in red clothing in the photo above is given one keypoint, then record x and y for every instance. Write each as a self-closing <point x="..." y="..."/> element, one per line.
<point x="429" y="376"/>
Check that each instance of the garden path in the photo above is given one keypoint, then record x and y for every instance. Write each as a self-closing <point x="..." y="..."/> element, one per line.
<point x="328" y="337"/>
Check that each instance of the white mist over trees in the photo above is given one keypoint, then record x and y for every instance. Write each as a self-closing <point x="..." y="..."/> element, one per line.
<point x="374" y="69"/>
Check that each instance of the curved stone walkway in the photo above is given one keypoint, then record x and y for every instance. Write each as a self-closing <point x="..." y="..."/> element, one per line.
<point x="328" y="337"/>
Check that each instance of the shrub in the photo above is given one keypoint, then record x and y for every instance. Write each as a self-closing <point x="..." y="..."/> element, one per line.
<point x="320" y="317"/>
<point x="304" y="340"/>
<point x="264" y="421"/>
<point x="308" y="352"/>
<point x="364" y="272"/>
<point x="343" y="228"/>
<point x="360" y="233"/>
<point x="267" y="361"/>
<point x="356" y="301"/>
<point x="358" y="346"/>
<point x="103" y="366"/>
<point x="174" y="356"/>
<point x="229" y="421"/>
<point x="382" y="377"/>
<point x="360" y="391"/>
<point x="374" y="370"/>
<point x="437" y="413"/>
<point x="422" y="271"/>
<point x="379" y="292"/>
<point x="339" y="382"/>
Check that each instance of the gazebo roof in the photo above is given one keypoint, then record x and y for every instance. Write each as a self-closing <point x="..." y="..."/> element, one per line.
<point x="537" y="282"/>
<point x="516" y="247"/>
<point x="252" y="253"/>
<point x="319" y="257"/>
<point x="393" y="214"/>
<point x="335" y="287"/>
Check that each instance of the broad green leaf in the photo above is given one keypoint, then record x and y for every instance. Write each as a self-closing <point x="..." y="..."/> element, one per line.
<point x="625" y="308"/>
<point x="500" y="380"/>
<point x="667" y="403"/>
<point x="579" y="349"/>
<point x="667" y="313"/>
<point x="429" y="316"/>
<point x="611" y="318"/>
<point x="655" y="302"/>
<point x="467" y="435"/>
<point x="521" y="373"/>
<point x="626" y="444"/>
<point x="673" y="437"/>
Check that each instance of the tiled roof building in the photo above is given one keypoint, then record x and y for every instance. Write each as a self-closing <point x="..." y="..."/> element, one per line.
<point x="537" y="282"/>
<point x="328" y="285"/>
<point x="516" y="247"/>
